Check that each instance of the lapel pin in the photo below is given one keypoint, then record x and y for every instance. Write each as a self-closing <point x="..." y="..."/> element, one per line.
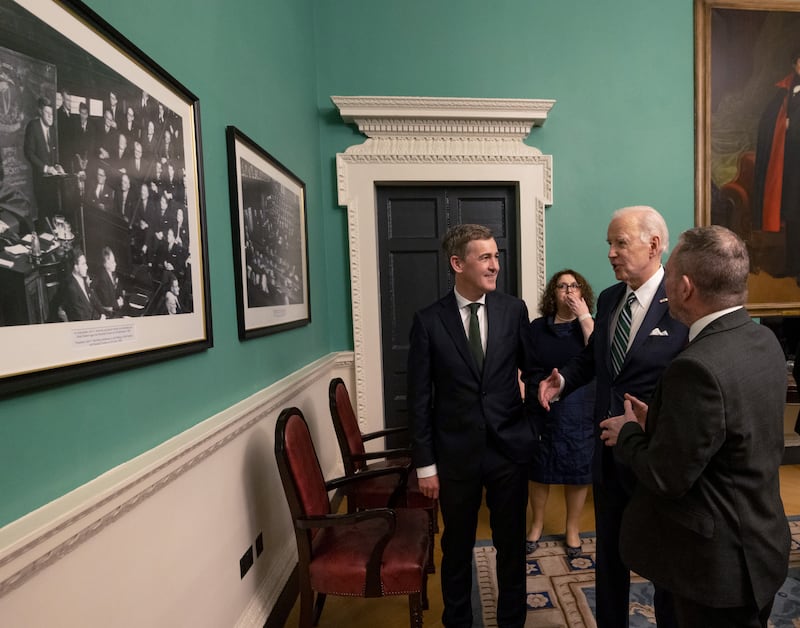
<point x="664" y="300"/>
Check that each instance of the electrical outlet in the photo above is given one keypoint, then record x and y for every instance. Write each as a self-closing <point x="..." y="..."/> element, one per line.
<point x="245" y="562"/>
<point x="259" y="544"/>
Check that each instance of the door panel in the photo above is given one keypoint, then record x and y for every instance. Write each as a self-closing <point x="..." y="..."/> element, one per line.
<point x="414" y="272"/>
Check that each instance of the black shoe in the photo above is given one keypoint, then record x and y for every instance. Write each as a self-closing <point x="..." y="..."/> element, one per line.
<point x="531" y="546"/>
<point x="573" y="552"/>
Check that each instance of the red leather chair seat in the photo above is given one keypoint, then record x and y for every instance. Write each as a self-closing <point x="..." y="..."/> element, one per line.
<point x="340" y="555"/>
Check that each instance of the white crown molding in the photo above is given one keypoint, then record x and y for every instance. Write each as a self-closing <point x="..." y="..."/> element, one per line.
<point x="428" y="141"/>
<point x="391" y="115"/>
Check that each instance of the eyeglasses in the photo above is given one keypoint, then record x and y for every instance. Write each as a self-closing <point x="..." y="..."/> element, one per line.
<point x="568" y="286"/>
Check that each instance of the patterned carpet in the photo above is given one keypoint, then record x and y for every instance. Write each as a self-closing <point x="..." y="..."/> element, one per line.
<point x="561" y="591"/>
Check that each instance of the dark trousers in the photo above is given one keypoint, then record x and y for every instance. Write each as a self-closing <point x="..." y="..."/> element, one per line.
<point x="690" y="614"/>
<point x="506" y="486"/>
<point x="613" y="578"/>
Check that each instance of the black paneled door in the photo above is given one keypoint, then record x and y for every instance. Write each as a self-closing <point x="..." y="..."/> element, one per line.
<point x="414" y="271"/>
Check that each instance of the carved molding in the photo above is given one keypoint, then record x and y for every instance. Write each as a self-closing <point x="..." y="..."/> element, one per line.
<point x="430" y="140"/>
<point x="386" y="115"/>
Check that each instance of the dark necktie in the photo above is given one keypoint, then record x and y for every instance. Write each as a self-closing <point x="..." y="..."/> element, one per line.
<point x="619" y="345"/>
<point x="475" y="344"/>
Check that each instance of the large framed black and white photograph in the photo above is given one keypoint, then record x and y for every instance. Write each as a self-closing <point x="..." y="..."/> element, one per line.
<point x="103" y="253"/>
<point x="268" y="215"/>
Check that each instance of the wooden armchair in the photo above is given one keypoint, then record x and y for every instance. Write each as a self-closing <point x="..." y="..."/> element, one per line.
<point x="376" y="492"/>
<point x="370" y="553"/>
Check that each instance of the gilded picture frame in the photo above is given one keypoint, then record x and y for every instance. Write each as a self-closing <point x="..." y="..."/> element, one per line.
<point x="743" y="77"/>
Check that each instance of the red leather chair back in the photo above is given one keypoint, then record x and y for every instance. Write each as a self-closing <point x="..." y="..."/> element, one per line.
<point x="299" y="466"/>
<point x="347" y="430"/>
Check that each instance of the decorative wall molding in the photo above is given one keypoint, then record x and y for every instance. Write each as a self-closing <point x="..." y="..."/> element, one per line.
<point x="35" y="543"/>
<point x="429" y="116"/>
<point x="432" y="140"/>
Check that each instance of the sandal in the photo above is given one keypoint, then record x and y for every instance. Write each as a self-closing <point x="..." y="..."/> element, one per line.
<point x="531" y="546"/>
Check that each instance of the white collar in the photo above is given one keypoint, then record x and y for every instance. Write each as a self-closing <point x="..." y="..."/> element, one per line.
<point x="464" y="302"/>
<point x="646" y="292"/>
<point x="701" y="323"/>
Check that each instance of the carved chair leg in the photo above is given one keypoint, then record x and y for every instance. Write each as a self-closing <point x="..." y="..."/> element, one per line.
<point x="431" y="538"/>
<point x="306" y="605"/>
<point x="318" y="607"/>
<point x="415" y="610"/>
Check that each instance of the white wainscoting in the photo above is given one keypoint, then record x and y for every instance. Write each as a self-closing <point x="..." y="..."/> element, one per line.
<point x="156" y="541"/>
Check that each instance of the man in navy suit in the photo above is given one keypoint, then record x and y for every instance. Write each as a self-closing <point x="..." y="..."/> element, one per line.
<point x="468" y="430"/>
<point x="637" y="239"/>
<point x="706" y="521"/>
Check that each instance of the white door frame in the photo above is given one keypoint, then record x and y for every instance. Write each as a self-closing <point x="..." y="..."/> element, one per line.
<point x="433" y="140"/>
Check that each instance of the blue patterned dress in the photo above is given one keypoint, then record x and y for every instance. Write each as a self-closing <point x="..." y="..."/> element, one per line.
<point x="566" y="433"/>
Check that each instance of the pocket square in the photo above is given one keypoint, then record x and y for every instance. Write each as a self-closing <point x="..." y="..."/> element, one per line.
<point x="659" y="332"/>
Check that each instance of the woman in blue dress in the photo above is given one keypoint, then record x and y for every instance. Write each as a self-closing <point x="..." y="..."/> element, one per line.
<point x="566" y="433"/>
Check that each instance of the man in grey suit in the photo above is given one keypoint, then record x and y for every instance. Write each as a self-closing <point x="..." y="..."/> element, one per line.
<point x="706" y="521"/>
<point x="468" y="431"/>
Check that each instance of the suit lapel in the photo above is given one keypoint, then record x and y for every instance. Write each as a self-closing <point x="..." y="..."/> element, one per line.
<point x="451" y="318"/>
<point x="494" y="325"/>
<point x="658" y="307"/>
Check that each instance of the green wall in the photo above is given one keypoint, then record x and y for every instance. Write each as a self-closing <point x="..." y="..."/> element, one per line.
<point x="620" y="133"/>
<point x="622" y="129"/>
<point x="251" y="63"/>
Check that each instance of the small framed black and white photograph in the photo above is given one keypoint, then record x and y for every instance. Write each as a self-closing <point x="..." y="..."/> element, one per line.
<point x="103" y="253"/>
<point x="268" y="215"/>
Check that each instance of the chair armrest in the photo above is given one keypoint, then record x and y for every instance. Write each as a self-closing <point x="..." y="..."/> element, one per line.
<point x="398" y="492"/>
<point x="383" y="453"/>
<point x="350" y="518"/>
<point x="361" y="476"/>
<point x="384" y="432"/>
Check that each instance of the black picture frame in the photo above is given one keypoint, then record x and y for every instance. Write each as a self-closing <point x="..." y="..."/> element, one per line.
<point x="56" y="326"/>
<point x="270" y="248"/>
<point x="742" y="52"/>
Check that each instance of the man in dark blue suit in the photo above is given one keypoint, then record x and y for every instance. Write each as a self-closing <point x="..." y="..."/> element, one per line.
<point x="468" y="430"/>
<point x="637" y="240"/>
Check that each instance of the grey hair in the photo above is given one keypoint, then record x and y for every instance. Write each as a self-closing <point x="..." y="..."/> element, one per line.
<point x="650" y="224"/>
<point x="716" y="261"/>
